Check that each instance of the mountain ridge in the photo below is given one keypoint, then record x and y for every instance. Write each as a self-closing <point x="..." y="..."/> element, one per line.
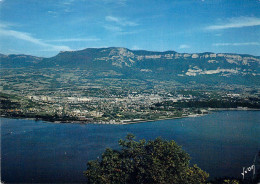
<point x="135" y="50"/>
<point x="149" y="64"/>
<point x="88" y="53"/>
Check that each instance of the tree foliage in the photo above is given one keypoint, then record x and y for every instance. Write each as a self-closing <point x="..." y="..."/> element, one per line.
<point x="156" y="161"/>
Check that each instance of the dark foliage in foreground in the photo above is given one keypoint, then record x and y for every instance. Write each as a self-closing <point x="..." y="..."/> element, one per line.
<point x="156" y="161"/>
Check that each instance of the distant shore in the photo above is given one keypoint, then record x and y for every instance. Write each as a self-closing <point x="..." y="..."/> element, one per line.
<point x="122" y="122"/>
<point x="233" y="109"/>
<point x="126" y="122"/>
<point x="161" y="119"/>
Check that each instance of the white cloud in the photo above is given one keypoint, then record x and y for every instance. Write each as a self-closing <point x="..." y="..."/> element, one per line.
<point x="236" y="44"/>
<point x="5" y="24"/>
<point x="68" y="2"/>
<point x="111" y="18"/>
<point x="75" y="40"/>
<point x="236" y="22"/>
<point x="113" y="28"/>
<point x="128" y="32"/>
<point x="118" y="25"/>
<point x="120" y="21"/>
<point x="121" y="2"/>
<point x="116" y="2"/>
<point x="218" y="34"/>
<point x="52" y="13"/>
<point x="135" y="47"/>
<point x="27" y="37"/>
<point x="184" y="46"/>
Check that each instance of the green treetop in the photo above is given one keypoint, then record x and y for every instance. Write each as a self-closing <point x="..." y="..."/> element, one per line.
<point x="157" y="161"/>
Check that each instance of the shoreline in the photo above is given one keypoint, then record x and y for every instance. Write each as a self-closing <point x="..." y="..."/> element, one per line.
<point x="127" y="122"/>
<point x="161" y="119"/>
<point x="233" y="109"/>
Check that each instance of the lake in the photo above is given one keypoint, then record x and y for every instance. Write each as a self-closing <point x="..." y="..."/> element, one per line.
<point x="220" y="143"/>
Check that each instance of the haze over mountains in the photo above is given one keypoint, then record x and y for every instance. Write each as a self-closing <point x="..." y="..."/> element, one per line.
<point x="170" y="65"/>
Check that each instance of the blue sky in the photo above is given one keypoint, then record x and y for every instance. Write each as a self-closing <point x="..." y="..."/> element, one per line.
<point x="46" y="27"/>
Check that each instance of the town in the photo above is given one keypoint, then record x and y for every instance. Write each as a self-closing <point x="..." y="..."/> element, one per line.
<point x="59" y="96"/>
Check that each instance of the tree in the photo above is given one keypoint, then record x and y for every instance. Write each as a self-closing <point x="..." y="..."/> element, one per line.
<point x="156" y="161"/>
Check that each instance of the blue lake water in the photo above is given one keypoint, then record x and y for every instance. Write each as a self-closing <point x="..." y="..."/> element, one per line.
<point x="221" y="143"/>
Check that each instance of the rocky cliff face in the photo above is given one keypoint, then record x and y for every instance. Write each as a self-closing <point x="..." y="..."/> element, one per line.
<point x="145" y="63"/>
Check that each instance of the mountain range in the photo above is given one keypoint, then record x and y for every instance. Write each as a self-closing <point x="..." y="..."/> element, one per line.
<point x="200" y="67"/>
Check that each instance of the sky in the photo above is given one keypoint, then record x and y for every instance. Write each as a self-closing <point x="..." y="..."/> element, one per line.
<point x="46" y="27"/>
